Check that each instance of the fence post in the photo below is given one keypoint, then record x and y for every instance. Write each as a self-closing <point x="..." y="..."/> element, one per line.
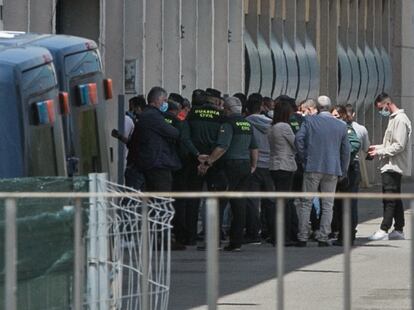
<point x="102" y="238"/>
<point x="212" y="239"/>
<point x="78" y="256"/>
<point x="93" y="275"/>
<point x="346" y="222"/>
<point x="10" y="256"/>
<point x="145" y="255"/>
<point x="280" y="247"/>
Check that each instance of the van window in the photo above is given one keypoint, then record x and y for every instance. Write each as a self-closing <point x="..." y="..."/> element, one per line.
<point x="42" y="157"/>
<point x="83" y="63"/>
<point x="89" y="145"/>
<point x="39" y="79"/>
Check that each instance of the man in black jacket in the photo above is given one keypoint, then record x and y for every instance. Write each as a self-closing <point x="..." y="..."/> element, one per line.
<point x="152" y="148"/>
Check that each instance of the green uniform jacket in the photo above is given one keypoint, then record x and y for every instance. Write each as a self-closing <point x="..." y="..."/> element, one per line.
<point x="204" y="124"/>
<point x="236" y="136"/>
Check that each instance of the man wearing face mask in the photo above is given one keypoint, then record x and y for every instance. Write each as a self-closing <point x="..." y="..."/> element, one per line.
<point x="150" y="150"/>
<point x="395" y="156"/>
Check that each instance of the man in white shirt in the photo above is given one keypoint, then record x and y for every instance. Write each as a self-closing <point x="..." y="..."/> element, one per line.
<point x="396" y="157"/>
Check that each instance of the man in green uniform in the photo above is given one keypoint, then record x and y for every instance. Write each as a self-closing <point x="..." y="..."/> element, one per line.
<point x="185" y="149"/>
<point x="238" y="149"/>
<point x="204" y="123"/>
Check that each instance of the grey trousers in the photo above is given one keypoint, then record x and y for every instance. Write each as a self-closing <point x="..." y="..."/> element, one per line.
<point x="311" y="183"/>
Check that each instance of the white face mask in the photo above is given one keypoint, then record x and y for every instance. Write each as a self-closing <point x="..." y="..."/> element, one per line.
<point x="384" y="112"/>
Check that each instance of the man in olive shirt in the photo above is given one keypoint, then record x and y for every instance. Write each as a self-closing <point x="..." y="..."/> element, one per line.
<point x="238" y="149"/>
<point x="204" y="122"/>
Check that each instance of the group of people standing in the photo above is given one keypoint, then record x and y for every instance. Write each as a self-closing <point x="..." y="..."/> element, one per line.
<point x="259" y="144"/>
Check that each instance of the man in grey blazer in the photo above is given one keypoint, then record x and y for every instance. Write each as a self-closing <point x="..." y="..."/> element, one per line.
<point x="323" y="147"/>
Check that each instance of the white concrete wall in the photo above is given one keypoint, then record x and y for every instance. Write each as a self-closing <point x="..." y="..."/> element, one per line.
<point x="403" y="55"/>
<point x="114" y="59"/>
<point x="236" y="47"/>
<point x="189" y="46"/>
<point x="172" y="73"/>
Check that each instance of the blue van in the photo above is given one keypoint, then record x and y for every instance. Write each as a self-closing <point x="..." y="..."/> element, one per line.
<point x="80" y="75"/>
<point x="31" y="140"/>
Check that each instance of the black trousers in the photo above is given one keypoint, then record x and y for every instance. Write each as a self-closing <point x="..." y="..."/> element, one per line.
<point x="181" y="205"/>
<point x="238" y="174"/>
<point x="134" y="178"/>
<point x="216" y="181"/>
<point x="158" y="180"/>
<point x="283" y="183"/>
<point x="352" y="186"/>
<point x="260" y="181"/>
<point x="393" y="208"/>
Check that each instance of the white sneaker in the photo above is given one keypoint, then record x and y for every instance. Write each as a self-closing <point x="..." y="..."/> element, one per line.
<point x="378" y="235"/>
<point x="396" y="235"/>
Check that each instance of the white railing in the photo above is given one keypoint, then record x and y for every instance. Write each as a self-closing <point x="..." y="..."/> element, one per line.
<point x="212" y="237"/>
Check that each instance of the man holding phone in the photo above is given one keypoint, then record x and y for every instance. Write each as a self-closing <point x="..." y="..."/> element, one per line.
<point x="396" y="157"/>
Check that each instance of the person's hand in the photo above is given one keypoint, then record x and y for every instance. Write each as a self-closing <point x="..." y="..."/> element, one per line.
<point x="202" y="169"/>
<point x="252" y="169"/>
<point x="372" y="151"/>
<point x="202" y="158"/>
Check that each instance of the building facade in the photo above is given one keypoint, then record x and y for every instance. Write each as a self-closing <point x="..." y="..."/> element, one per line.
<point x="350" y="50"/>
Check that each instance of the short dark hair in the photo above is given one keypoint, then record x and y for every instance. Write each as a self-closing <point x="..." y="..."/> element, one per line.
<point x="254" y="103"/>
<point x="255" y="96"/>
<point x="155" y="93"/>
<point x="137" y="102"/>
<point x="173" y="106"/>
<point x="283" y="109"/>
<point x="381" y="97"/>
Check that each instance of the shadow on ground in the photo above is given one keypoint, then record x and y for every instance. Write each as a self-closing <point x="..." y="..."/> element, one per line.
<point x="254" y="265"/>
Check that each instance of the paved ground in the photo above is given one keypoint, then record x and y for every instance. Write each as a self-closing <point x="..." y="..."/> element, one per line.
<point x="380" y="273"/>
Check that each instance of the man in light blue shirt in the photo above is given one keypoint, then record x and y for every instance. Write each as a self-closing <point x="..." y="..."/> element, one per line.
<point x="323" y="147"/>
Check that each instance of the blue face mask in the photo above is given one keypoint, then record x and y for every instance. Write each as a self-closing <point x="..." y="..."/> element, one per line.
<point x="164" y="107"/>
<point x="384" y="112"/>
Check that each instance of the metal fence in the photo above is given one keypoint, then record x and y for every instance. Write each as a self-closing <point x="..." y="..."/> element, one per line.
<point x="212" y="220"/>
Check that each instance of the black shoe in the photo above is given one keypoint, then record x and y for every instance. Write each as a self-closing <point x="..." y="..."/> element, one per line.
<point x="290" y="243"/>
<point x="323" y="244"/>
<point x="339" y="242"/>
<point x="255" y="241"/>
<point x="301" y="244"/>
<point x="203" y="247"/>
<point x="232" y="248"/>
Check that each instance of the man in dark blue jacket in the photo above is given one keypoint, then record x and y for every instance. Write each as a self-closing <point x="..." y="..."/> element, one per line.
<point x="152" y="148"/>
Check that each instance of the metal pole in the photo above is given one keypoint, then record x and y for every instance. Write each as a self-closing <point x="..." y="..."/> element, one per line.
<point x="347" y="252"/>
<point x="212" y="252"/>
<point x="145" y="256"/>
<point x="102" y="242"/>
<point x="77" y="282"/>
<point x="280" y="214"/>
<point x="412" y="254"/>
<point x="10" y="256"/>
<point x="92" y="271"/>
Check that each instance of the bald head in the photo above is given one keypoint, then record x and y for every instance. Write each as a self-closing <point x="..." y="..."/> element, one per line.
<point x="324" y="103"/>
